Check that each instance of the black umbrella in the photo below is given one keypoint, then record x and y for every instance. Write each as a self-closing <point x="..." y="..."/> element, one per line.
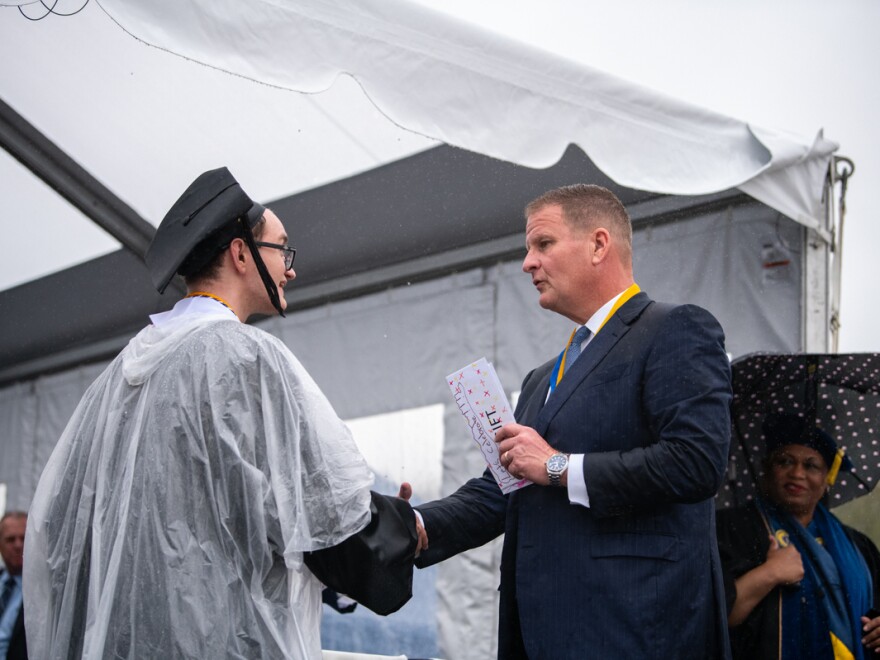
<point x="839" y="393"/>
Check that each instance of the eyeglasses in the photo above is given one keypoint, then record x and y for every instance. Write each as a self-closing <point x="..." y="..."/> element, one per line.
<point x="289" y="252"/>
<point x="784" y="462"/>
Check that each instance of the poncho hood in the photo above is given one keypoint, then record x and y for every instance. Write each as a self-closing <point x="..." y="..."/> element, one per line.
<point x="153" y="345"/>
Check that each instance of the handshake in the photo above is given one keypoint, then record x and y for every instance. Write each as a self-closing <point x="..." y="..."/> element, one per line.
<point x="405" y="493"/>
<point x="374" y="566"/>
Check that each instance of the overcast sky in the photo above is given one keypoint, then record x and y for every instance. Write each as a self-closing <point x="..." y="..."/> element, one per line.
<point x="794" y="65"/>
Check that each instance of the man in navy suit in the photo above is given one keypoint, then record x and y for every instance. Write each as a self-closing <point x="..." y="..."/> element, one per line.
<point x="611" y="552"/>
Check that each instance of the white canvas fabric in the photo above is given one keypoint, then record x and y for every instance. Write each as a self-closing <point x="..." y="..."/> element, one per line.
<point x="171" y="518"/>
<point x="473" y="89"/>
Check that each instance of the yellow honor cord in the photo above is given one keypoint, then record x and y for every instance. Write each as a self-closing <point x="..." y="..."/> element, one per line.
<point x="205" y="294"/>
<point x="632" y="290"/>
<point x="835" y="467"/>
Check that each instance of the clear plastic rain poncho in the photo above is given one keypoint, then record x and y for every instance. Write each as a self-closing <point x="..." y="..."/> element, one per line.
<point x="171" y="518"/>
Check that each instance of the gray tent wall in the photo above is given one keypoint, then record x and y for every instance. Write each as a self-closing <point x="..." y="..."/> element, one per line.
<point x="391" y="350"/>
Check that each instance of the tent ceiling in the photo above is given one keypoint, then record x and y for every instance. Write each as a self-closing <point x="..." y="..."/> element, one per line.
<point x="72" y="182"/>
<point x="436" y="211"/>
<point x="436" y="201"/>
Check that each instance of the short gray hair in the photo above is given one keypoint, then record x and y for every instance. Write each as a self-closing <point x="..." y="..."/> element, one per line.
<point x="586" y="206"/>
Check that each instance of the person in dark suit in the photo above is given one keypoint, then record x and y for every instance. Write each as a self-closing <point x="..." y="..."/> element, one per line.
<point x="611" y="552"/>
<point x="12" y="636"/>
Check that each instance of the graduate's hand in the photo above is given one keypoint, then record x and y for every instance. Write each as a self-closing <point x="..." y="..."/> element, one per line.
<point x="524" y="453"/>
<point x="785" y="563"/>
<point x="871" y="628"/>
<point x="405" y="493"/>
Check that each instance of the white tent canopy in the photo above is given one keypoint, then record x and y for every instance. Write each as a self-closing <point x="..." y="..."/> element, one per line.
<point x="128" y="114"/>
<point x="441" y="79"/>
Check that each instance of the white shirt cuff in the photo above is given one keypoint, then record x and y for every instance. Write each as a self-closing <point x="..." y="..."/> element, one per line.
<point x="577" y="486"/>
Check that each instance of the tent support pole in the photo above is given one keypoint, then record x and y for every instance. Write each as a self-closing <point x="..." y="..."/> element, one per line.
<point x="64" y="175"/>
<point x="839" y="171"/>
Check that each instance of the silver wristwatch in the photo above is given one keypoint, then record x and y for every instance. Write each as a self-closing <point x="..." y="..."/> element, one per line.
<point x="556" y="465"/>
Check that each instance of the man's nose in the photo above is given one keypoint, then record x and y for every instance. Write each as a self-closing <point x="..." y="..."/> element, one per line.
<point x="530" y="263"/>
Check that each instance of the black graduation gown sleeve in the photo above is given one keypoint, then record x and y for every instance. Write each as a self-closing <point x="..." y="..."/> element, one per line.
<point x="743" y="541"/>
<point x="872" y="559"/>
<point x="374" y="566"/>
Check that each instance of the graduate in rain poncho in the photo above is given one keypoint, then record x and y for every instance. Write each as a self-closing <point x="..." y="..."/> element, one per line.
<point x="199" y="469"/>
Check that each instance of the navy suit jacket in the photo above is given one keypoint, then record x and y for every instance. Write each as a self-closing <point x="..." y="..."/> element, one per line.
<point x="637" y="574"/>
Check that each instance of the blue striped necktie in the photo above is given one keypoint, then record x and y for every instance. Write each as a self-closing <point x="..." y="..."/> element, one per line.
<point x="575" y="349"/>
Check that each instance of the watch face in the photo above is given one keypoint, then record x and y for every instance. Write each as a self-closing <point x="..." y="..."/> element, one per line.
<point x="556" y="463"/>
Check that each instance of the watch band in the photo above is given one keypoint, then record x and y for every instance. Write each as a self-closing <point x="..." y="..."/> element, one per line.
<point x="556" y="466"/>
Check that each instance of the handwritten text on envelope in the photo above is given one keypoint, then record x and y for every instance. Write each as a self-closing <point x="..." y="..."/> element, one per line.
<point x="485" y="409"/>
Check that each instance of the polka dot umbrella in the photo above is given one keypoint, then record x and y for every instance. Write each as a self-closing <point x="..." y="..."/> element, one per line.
<point x="839" y="393"/>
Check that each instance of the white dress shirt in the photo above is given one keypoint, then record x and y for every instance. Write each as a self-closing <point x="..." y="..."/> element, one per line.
<point x="577" y="487"/>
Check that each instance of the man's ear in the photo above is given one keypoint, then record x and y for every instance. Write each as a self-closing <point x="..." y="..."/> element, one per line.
<point x="238" y="254"/>
<point x="601" y="240"/>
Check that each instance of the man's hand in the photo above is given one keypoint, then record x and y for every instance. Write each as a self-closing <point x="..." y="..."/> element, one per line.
<point x="871" y="628"/>
<point x="785" y="564"/>
<point x="405" y="493"/>
<point x="524" y="453"/>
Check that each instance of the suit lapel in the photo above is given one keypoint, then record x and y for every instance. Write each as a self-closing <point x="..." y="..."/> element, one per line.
<point x="616" y="327"/>
<point x="533" y="394"/>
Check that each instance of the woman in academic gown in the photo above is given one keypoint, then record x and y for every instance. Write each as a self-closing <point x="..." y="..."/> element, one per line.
<point x="799" y="583"/>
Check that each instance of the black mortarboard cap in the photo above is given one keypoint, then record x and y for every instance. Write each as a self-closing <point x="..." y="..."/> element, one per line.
<point x="782" y="429"/>
<point x="201" y="222"/>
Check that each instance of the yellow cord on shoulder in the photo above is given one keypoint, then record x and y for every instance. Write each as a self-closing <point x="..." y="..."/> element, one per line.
<point x="630" y="291"/>
<point x="205" y="294"/>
